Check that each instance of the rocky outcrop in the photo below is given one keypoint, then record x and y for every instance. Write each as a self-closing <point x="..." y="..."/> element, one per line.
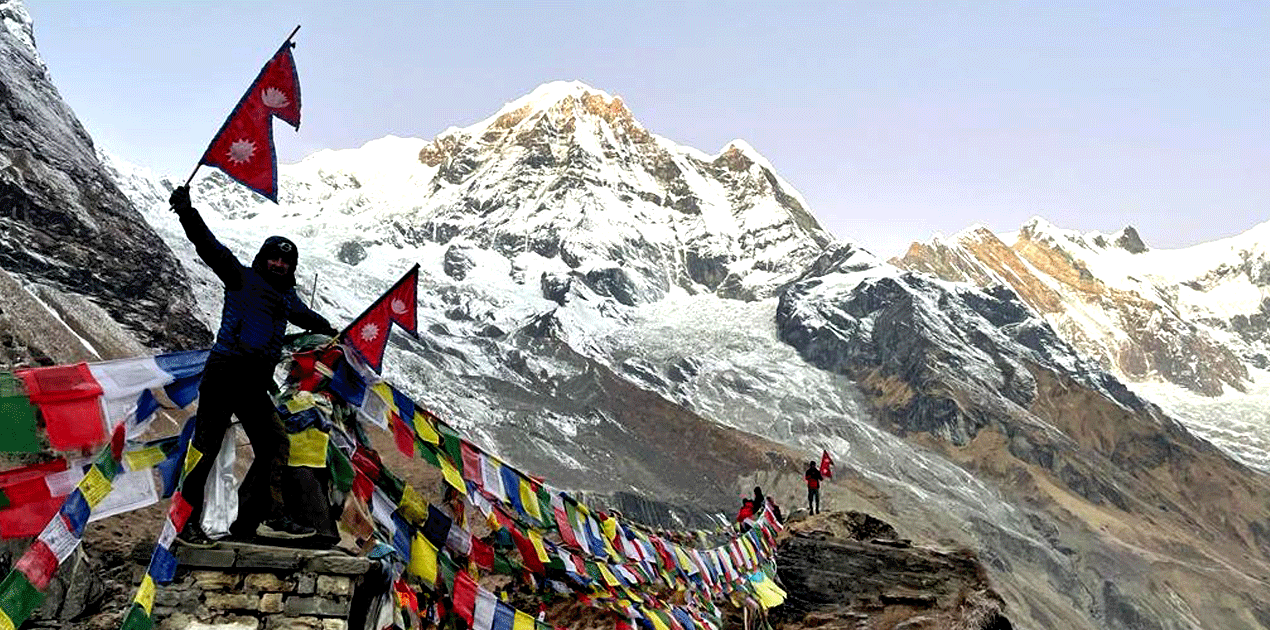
<point x="836" y="578"/>
<point x="64" y="224"/>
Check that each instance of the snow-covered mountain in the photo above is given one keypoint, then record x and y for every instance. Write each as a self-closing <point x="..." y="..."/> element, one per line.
<point x="613" y="310"/>
<point x="1189" y="329"/>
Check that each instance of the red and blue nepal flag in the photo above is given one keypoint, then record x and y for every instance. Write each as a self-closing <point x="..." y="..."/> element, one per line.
<point x="368" y="334"/>
<point x="243" y="148"/>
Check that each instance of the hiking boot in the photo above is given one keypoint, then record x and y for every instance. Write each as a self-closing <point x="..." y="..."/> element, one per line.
<point x="284" y="529"/>
<point x="194" y="536"/>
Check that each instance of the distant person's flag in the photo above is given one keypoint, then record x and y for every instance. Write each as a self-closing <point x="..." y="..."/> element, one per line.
<point x="243" y="148"/>
<point x="826" y="465"/>
<point x="368" y="334"/>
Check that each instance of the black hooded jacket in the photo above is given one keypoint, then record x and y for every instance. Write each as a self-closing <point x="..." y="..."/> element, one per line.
<point x="258" y="304"/>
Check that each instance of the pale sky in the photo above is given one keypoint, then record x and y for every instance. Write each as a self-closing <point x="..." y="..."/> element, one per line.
<point x="894" y="120"/>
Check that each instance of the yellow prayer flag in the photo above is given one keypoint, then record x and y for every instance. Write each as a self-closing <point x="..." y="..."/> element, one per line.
<point x="657" y="622"/>
<point x="451" y="474"/>
<point x="768" y="593"/>
<point x="685" y="562"/>
<point x="5" y="622"/>
<point x="608" y="547"/>
<point x="192" y="455"/>
<point x="412" y="506"/>
<point x="95" y="486"/>
<point x="529" y="499"/>
<point x="423" y="560"/>
<point x="142" y="459"/>
<point x="308" y="448"/>
<point x="300" y="401"/>
<point x="523" y="621"/>
<point x="427" y="432"/>
<point x="536" y="539"/>
<point x="145" y="594"/>
<point x="384" y="391"/>
<point x="609" y="578"/>
<point x="609" y="525"/>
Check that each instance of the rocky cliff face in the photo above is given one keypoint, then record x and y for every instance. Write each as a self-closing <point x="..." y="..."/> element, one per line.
<point x="1185" y="328"/>
<point x="77" y="262"/>
<point x="848" y="570"/>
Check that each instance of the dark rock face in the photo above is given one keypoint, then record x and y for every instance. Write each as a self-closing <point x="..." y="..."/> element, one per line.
<point x="351" y="253"/>
<point x="834" y="582"/>
<point x="1130" y="241"/>
<point x="457" y="262"/>
<point x="66" y="224"/>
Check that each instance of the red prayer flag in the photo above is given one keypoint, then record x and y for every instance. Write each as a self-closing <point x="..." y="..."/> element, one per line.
<point x="28" y="519"/>
<point x="368" y="334"/>
<point x="179" y="511"/>
<point x="464" y="597"/>
<point x="404" y="436"/>
<point x="482" y="554"/>
<point x="471" y="463"/>
<point x="38" y="564"/>
<point x="528" y="553"/>
<point x="69" y="400"/>
<point x="243" y="148"/>
<point x="826" y="465"/>
<point x="566" y="531"/>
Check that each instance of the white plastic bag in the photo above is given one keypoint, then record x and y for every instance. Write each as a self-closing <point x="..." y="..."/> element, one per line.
<point x="220" y="506"/>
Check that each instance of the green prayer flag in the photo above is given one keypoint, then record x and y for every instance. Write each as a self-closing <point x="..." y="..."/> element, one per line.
<point x="342" y="472"/>
<point x="449" y="569"/>
<point x="106" y="463"/>
<point x="429" y="453"/>
<point x="450" y="442"/>
<point x="502" y="565"/>
<point x="593" y="570"/>
<point x="17" y="418"/>
<point x="392" y="485"/>
<point x="4" y="500"/>
<point x="137" y="619"/>
<point x="19" y="597"/>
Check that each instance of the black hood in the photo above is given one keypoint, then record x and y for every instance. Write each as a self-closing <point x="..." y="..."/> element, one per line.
<point x="275" y="247"/>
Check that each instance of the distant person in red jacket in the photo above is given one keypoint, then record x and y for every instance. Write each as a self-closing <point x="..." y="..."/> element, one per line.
<point x="747" y="510"/>
<point x="813" y="478"/>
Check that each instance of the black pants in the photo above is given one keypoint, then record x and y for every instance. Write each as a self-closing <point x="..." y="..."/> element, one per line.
<point x="813" y="500"/>
<point x="239" y="388"/>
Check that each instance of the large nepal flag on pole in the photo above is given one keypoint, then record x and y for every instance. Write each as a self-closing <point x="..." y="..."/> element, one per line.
<point x="243" y="148"/>
<point x="826" y="465"/>
<point x="368" y="334"/>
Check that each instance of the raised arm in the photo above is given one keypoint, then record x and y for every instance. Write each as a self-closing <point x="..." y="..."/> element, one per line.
<point x="304" y="317"/>
<point x="213" y="252"/>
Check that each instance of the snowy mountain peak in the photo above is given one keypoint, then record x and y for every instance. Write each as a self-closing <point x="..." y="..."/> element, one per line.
<point x="554" y="102"/>
<point x="17" y="22"/>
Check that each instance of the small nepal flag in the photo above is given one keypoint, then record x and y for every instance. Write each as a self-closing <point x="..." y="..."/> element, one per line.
<point x="826" y="465"/>
<point x="243" y="148"/>
<point x="368" y="334"/>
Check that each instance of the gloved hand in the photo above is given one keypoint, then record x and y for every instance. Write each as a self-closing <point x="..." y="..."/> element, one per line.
<point x="329" y="331"/>
<point x="180" y="199"/>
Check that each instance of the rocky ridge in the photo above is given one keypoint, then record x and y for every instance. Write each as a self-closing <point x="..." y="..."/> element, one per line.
<point x="1184" y="328"/>
<point x="81" y="276"/>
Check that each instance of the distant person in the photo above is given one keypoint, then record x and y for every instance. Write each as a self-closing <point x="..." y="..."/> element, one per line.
<point x="747" y="510"/>
<point x="762" y="502"/>
<point x="238" y="378"/>
<point x="813" y="478"/>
